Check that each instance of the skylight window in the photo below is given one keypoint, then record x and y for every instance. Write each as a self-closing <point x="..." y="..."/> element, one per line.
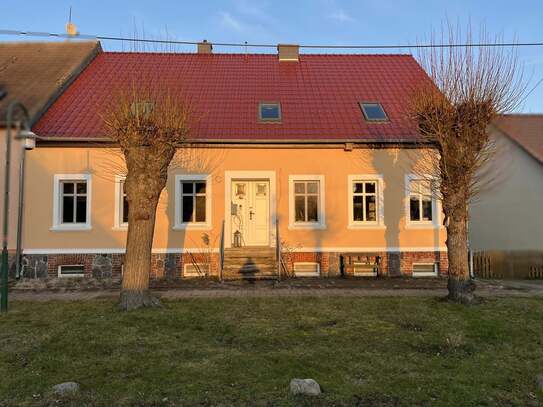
<point x="373" y="112"/>
<point x="269" y="112"/>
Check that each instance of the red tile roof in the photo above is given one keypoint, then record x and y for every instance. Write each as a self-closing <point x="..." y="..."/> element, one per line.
<point x="319" y="95"/>
<point x="526" y="130"/>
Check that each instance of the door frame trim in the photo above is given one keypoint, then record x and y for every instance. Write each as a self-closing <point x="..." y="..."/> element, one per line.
<point x="229" y="176"/>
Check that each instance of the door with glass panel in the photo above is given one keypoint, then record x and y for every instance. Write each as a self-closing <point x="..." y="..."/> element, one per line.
<point x="250" y="213"/>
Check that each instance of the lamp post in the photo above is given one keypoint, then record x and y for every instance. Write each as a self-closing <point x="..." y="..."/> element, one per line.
<point x="29" y="142"/>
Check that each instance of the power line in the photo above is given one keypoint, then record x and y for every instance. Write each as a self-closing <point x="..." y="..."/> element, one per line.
<point x="531" y="90"/>
<point x="245" y="44"/>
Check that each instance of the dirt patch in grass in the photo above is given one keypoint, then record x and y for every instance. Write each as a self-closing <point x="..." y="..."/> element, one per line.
<point x="244" y="351"/>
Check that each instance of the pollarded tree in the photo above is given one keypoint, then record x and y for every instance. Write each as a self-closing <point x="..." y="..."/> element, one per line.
<point x="470" y="86"/>
<point x="149" y="124"/>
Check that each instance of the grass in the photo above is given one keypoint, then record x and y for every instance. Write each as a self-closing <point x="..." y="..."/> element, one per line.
<point x="244" y="351"/>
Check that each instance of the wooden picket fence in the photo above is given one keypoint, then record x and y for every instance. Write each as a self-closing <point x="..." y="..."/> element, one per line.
<point x="508" y="265"/>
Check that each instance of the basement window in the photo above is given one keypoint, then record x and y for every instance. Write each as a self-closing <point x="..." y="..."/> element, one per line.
<point x="306" y="269"/>
<point x="424" y="269"/>
<point x="195" y="270"/>
<point x="76" y="270"/>
<point x="269" y="112"/>
<point x="373" y="112"/>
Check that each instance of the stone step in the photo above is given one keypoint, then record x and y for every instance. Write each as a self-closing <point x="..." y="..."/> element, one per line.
<point x="245" y="254"/>
<point x="249" y="269"/>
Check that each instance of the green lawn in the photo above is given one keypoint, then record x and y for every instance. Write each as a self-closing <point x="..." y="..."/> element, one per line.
<point x="244" y="351"/>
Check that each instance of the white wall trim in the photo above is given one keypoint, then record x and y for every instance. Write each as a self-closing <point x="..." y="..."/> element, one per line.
<point x="216" y="250"/>
<point x="178" y="224"/>
<point x="57" y="225"/>
<point x="321" y="224"/>
<point x="117" y="221"/>
<point x="115" y="251"/>
<point x="229" y="176"/>
<point x="380" y="222"/>
<point x="436" y="205"/>
<point x="370" y="249"/>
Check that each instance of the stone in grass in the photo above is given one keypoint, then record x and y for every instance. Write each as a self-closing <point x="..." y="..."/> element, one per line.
<point x="307" y="387"/>
<point x="539" y="382"/>
<point x="66" y="388"/>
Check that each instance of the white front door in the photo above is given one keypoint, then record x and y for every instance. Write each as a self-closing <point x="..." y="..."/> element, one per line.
<point x="250" y="212"/>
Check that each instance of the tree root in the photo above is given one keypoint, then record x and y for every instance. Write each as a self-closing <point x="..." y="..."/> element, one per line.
<point x="134" y="299"/>
<point x="461" y="291"/>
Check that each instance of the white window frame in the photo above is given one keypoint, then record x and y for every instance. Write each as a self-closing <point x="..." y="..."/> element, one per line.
<point x="178" y="224"/>
<point x="436" y="206"/>
<point x="57" y="218"/>
<point x="379" y="223"/>
<point x="306" y="273"/>
<point x="78" y="275"/>
<point x="424" y="274"/>
<point x="202" y="266"/>
<point x="321" y="224"/>
<point x="118" y="220"/>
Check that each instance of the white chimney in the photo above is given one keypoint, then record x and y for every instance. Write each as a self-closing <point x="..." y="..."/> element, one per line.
<point x="288" y="52"/>
<point x="205" y="47"/>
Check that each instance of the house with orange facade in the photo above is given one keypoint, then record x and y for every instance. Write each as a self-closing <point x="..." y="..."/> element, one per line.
<point x="306" y="153"/>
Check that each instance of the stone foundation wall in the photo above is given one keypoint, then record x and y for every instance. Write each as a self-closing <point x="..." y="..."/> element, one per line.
<point x="167" y="266"/>
<point x="170" y="266"/>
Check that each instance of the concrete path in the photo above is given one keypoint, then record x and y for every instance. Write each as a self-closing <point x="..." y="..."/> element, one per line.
<point x="486" y="288"/>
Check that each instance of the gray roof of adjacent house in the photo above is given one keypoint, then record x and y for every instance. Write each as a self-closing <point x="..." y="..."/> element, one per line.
<point x="36" y="73"/>
<point x="524" y="129"/>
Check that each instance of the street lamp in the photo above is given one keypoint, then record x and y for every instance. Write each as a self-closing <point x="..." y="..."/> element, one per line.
<point x="29" y="142"/>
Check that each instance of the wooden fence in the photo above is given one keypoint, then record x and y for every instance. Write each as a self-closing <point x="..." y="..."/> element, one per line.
<point x="508" y="265"/>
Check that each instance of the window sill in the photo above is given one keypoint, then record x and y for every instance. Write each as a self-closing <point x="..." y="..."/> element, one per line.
<point x="357" y="226"/>
<point x="301" y="274"/>
<point x="120" y="228"/>
<point x="424" y="275"/>
<point x="69" y="228"/>
<point x="204" y="226"/>
<point x="310" y="226"/>
<point x="423" y="226"/>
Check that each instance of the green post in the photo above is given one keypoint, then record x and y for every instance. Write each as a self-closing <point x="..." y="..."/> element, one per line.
<point x="4" y="299"/>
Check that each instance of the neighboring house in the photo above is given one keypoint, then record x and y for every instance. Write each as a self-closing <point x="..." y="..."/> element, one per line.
<point x="317" y="143"/>
<point x="506" y="221"/>
<point x="34" y="74"/>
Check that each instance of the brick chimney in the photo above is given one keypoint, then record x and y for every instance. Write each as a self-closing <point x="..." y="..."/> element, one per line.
<point x="288" y="52"/>
<point x="205" y="47"/>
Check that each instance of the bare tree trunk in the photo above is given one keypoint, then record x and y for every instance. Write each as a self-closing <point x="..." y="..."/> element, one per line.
<point x="145" y="181"/>
<point x="135" y="288"/>
<point x="461" y="287"/>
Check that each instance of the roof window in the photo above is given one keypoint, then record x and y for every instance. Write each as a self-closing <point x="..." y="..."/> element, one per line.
<point x="269" y="112"/>
<point x="373" y="112"/>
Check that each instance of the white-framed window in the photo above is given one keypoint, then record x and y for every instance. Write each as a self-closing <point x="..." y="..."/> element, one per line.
<point x="366" y="203"/>
<point x="361" y="269"/>
<point x="306" y="202"/>
<point x="307" y="269"/>
<point x="424" y="269"/>
<point x="195" y="270"/>
<point x="71" y="270"/>
<point x="72" y="202"/>
<point x="121" y="204"/>
<point x="422" y="209"/>
<point x="193" y="201"/>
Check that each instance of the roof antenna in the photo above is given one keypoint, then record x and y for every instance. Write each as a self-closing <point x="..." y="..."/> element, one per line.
<point x="246" y="48"/>
<point x="71" y="29"/>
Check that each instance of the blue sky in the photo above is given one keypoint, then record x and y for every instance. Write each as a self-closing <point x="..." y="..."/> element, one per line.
<point x="294" y="21"/>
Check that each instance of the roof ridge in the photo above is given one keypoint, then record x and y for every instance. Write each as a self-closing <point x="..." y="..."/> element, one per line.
<point x="250" y="54"/>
